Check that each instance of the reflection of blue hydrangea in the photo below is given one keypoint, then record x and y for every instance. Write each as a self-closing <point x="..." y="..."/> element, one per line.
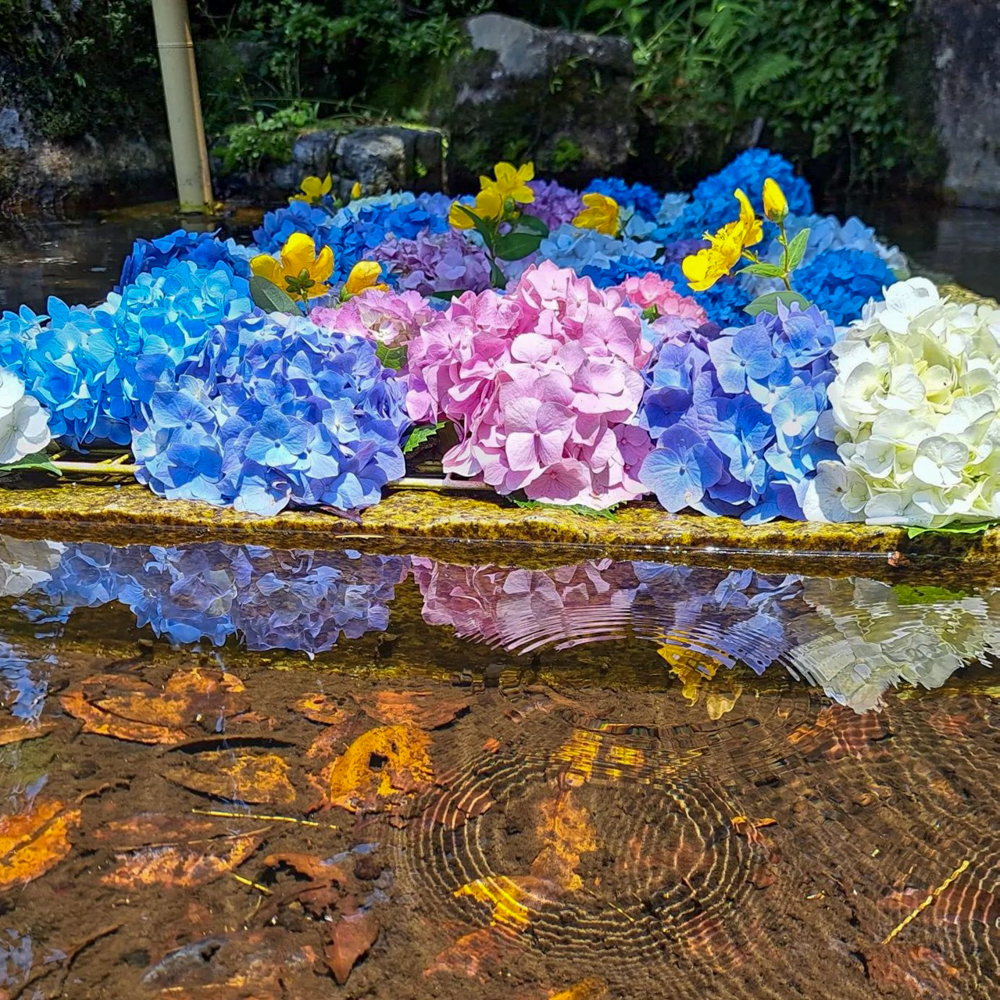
<point x="296" y="599"/>
<point x="204" y="249"/>
<point x="640" y="198"/>
<point x="741" y="426"/>
<point x="275" y="410"/>
<point x="22" y="689"/>
<point x="296" y="217"/>
<point x="732" y="617"/>
<point x="841" y="282"/>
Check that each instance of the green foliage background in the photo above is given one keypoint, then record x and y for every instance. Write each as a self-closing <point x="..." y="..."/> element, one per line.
<point x="813" y="80"/>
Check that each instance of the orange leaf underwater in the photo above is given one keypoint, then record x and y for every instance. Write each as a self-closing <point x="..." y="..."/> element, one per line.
<point x="425" y="709"/>
<point x="134" y="710"/>
<point x="350" y="940"/>
<point x="12" y="731"/>
<point x="239" y="776"/>
<point x="34" y="841"/>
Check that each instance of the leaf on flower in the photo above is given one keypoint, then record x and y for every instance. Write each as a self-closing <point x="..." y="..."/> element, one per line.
<point x="379" y="769"/>
<point x="243" y="777"/>
<point x="318" y="708"/>
<point x="130" y="709"/>
<point x="351" y="937"/>
<point x="34" y="841"/>
<point x="182" y="865"/>
<point x="608" y="513"/>
<point x="39" y="462"/>
<point x="797" y="248"/>
<point x="768" y="302"/>
<point x="763" y="269"/>
<point x="533" y="225"/>
<point x="268" y="296"/>
<point x="953" y="529"/>
<point x="12" y="731"/>
<point x="420" y="435"/>
<point x="426" y="709"/>
<point x="391" y="357"/>
<point x="516" y="246"/>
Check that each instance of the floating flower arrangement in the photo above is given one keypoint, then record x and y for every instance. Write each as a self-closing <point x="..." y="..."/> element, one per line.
<point x="728" y="352"/>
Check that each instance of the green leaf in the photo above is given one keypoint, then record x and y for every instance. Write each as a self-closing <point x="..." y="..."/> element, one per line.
<point x="419" y="435"/>
<point x="480" y="225"/>
<point x="907" y="594"/>
<point x="39" y="462"/>
<point x="497" y="278"/>
<point x="953" y="529"/>
<point x="451" y="293"/>
<point x="391" y="357"/>
<point x="768" y="302"/>
<point x="765" y="270"/>
<point x="797" y="249"/>
<point x="268" y="296"/>
<point x="531" y="224"/>
<point x="515" y="246"/>
<point x="608" y="513"/>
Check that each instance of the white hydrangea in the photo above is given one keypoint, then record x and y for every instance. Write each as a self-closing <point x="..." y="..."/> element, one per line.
<point x="916" y="403"/>
<point x="24" y="425"/>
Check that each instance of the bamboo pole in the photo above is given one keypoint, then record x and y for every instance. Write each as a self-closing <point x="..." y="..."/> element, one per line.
<point x="180" y="88"/>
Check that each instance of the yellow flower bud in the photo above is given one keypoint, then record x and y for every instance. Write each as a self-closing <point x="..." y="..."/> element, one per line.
<point x="775" y="202"/>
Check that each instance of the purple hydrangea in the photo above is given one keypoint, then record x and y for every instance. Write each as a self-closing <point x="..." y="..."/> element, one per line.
<point x="554" y="204"/>
<point x="443" y="262"/>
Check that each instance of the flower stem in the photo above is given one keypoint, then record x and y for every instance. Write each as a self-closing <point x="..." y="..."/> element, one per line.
<point x="113" y="468"/>
<point x="418" y="483"/>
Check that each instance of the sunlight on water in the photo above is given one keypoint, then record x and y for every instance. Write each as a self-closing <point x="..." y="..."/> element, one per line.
<point x="235" y="771"/>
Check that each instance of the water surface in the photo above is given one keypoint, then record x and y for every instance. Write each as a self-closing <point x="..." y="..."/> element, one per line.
<point x="242" y="771"/>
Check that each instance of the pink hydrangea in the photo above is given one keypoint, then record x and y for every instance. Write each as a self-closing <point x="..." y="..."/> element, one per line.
<point x="391" y="318"/>
<point x="678" y="316"/>
<point x="522" y="609"/>
<point x="543" y="385"/>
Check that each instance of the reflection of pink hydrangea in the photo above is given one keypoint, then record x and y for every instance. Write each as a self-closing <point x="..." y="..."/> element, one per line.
<point x="521" y="609"/>
<point x="678" y="315"/>
<point x="388" y="317"/>
<point x="554" y="204"/>
<point x="543" y="385"/>
<point x="435" y="262"/>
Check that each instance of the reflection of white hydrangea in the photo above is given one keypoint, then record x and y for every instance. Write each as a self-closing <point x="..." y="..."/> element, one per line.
<point x="916" y="402"/>
<point x="25" y="564"/>
<point x="865" y="637"/>
<point x="24" y="425"/>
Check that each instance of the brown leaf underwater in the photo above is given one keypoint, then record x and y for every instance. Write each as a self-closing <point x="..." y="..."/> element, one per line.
<point x="426" y="709"/>
<point x="350" y="939"/>
<point x="131" y="709"/>
<point x="34" y="841"/>
<point x="245" y="777"/>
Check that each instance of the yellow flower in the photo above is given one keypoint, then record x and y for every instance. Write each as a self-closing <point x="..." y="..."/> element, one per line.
<point x="299" y="271"/>
<point x="511" y="182"/>
<point x="775" y="202"/>
<point x="489" y="206"/>
<point x="704" y="268"/>
<point x="601" y="214"/>
<point x="355" y="190"/>
<point x="313" y="190"/>
<point x="364" y="275"/>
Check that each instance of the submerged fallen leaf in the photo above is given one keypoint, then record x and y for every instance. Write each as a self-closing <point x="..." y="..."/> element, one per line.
<point x="350" y="939"/>
<point x="838" y="731"/>
<point x="319" y="708"/>
<point x="244" y="777"/>
<point x="184" y="865"/>
<point x="426" y="709"/>
<point x="12" y="731"/>
<point x="131" y="709"/>
<point x="591" y="988"/>
<point x="34" y="841"/>
<point x="566" y="832"/>
<point x="923" y="972"/>
<point x="478" y="955"/>
<point x="379" y="769"/>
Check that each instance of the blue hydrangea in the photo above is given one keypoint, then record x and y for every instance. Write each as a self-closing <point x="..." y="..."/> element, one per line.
<point x="295" y="217"/>
<point x="205" y="250"/>
<point x="404" y="218"/>
<point x="638" y="197"/>
<point x="841" y="282"/>
<point x="724" y="302"/>
<point x="740" y="427"/>
<point x="388" y="201"/>
<point x="712" y="203"/>
<point x="616" y="271"/>
<point x="275" y="410"/>
<point x="577" y="249"/>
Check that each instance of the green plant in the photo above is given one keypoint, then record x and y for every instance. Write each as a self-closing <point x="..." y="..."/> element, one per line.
<point x="265" y="137"/>
<point x="566" y="155"/>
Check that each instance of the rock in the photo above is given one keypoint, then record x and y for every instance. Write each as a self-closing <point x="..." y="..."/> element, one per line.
<point x="516" y="92"/>
<point x="11" y="130"/>
<point x="955" y="49"/>
<point x="384" y="158"/>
